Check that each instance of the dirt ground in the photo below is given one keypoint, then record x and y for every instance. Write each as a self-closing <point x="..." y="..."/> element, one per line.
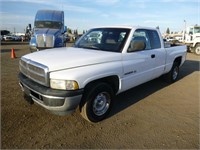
<point x="154" y="115"/>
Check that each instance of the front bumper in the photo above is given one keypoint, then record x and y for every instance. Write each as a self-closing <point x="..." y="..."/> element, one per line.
<point x="60" y="102"/>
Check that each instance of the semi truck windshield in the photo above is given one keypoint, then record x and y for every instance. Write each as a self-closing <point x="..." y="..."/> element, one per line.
<point x="48" y="24"/>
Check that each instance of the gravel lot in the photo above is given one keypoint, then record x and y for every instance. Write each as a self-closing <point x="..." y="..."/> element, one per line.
<point x="154" y="115"/>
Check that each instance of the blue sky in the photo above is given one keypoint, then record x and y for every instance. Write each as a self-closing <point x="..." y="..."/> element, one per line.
<point x="85" y="14"/>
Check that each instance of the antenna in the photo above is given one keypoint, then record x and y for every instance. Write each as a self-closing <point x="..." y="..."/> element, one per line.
<point x="61" y="4"/>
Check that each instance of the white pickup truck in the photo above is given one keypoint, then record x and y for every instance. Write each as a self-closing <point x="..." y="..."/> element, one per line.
<point x="102" y="63"/>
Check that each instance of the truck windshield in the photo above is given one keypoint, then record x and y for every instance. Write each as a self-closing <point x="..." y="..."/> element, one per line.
<point x="48" y="24"/>
<point x="197" y="29"/>
<point x="105" y="39"/>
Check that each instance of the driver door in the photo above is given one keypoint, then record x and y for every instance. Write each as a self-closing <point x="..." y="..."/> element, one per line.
<point x="138" y="65"/>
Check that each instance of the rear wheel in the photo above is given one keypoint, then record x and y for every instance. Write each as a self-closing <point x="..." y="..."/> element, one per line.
<point x="172" y="76"/>
<point x="97" y="102"/>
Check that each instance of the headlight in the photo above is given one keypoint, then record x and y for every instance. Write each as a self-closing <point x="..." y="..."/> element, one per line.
<point x="64" y="84"/>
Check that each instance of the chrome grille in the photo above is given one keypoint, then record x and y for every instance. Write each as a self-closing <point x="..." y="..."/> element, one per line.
<point x="40" y="41"/>
<point x="45" y="41"/>
<point x="35" y="71"/>
<point x="49" y="41"/>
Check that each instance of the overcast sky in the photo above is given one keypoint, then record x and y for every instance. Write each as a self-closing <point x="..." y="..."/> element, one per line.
<point x="85" y="14"/>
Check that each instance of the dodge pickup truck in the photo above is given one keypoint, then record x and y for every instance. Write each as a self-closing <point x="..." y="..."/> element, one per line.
<point x="104" y="62"/>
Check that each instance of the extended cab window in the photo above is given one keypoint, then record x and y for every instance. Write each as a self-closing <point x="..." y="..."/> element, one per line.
<point x="154" y="39"/>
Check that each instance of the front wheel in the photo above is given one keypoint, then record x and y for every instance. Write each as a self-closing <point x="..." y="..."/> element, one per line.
<point x="197" y="49"/>
<point x="97" y="102"/>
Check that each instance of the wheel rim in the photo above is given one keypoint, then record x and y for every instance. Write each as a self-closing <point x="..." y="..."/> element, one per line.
<point x="101" y="103"/>
<point x="175" y="73"/>
<point x="197" y="51"/>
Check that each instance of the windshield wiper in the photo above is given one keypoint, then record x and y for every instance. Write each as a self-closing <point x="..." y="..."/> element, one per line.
<point x="90" y="47"/>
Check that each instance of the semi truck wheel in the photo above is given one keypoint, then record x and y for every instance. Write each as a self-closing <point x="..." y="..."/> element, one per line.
<point x="197" y="49"/>
<point x="97" y="102"/>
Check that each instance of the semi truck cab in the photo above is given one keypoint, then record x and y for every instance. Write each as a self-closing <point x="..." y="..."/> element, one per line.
<point x="192" y="39"/>
<point x="48" y="30"/>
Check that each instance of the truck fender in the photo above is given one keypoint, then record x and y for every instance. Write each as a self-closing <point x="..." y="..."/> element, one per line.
<point x="113" y="81"/>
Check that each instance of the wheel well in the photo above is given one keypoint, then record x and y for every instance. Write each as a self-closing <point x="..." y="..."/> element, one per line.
<point x="197" y="44"/>
<point x="113" y="81"/>
<point x="178" y="60"/>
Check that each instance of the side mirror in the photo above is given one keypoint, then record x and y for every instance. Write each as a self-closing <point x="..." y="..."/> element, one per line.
<point x="65" y="29"/>
<point x="136" y="46"/>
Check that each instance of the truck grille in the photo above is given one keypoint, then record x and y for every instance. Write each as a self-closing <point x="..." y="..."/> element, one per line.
<point x="35" y="71"/>
<point x="45" y="41"/>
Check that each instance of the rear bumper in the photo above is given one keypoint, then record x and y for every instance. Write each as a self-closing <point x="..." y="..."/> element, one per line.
<point x="60" y="102"/>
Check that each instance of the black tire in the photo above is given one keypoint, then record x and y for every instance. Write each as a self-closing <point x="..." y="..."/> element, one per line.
<point x="96" y="102"/>
<point x="172" y="76"/>
<point x="197" y="49"/>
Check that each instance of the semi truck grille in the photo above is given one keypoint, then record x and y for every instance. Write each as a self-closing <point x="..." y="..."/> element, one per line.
<point x="35" y="71"/>
<point x="45" y="41"/>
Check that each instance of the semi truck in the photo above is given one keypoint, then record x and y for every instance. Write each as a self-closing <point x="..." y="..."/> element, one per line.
<point x="48" y="30"/>
<point x="192" y="39"/>
<point x="88" y="75"/>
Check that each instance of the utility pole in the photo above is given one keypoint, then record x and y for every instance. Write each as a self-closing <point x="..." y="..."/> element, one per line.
<point x="184" y="30"/>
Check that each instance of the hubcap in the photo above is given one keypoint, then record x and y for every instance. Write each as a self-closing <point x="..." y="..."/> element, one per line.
<point x="101" y="103"/>
<point x="175" y="73"/>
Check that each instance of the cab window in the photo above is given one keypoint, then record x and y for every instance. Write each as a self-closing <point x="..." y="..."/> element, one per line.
<point x="141" y="35"/>
<point x="150" y="38"/>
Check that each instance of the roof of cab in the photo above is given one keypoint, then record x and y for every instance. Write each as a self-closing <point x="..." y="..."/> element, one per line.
<point x="127" y="27"/>
<point x="49" y="15"/>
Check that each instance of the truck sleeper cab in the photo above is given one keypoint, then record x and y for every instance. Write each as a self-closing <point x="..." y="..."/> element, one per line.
<point x="48" y="30"/>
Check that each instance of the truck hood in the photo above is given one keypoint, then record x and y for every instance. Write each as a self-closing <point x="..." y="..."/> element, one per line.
<point x="66" y="58"/>
<point x="47" y="31"/>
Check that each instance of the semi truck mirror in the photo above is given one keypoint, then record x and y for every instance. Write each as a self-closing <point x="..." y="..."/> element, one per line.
<point x="65" y="29"/>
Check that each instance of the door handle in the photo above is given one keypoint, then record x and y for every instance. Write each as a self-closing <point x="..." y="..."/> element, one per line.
<point x="153" y="56"/>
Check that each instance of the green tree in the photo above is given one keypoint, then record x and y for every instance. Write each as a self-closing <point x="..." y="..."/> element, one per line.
<point x="76" y="32"/>
<point x="5" y="32"/>
<point x="168" y="31"/>
<point x="69" y="30"/>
